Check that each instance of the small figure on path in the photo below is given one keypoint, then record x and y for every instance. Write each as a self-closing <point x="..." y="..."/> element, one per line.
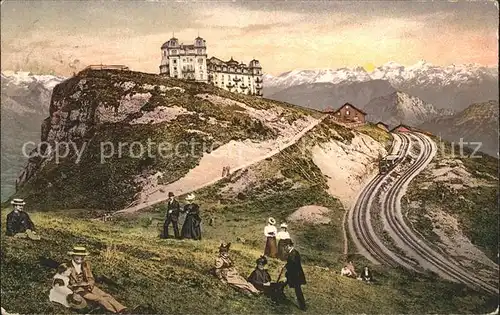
<point x="295" y="276"/>
<point x="191" y="229"/>
<point x="19" y="223"/>
<point x="82" y="282"/>
<point x="283" y="238"/>
<point x="270" y="233"/>
<point x="172" y="216"/>
<point x="227" y="273"/>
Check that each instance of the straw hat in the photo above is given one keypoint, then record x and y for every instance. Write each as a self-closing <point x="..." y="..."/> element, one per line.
<point x="18" y="202"/>
<point x="190" y="197"/>
<point x="224" y="247"/>
<point x="284" y="225"/>
<point x="271" y="221"/>
<point x="75" y="301"/>
<point x="78" y="251"/>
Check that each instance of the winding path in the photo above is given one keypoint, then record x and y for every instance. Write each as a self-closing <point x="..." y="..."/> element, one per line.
<point x="204" y="183"/>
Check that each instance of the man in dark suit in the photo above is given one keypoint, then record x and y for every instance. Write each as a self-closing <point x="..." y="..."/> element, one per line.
<point x="295" y="276"/>
<point x="19" y="223"/>
<point x="172" y="216"/>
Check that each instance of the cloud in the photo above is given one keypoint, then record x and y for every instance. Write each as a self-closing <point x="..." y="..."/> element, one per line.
<point x="52" y="35"/>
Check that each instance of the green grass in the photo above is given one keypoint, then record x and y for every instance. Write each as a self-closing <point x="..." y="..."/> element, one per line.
<point x="476" y="209"/>
<point x="73" y="185"/>
<point x="172" y="277"/>
<point x="376" y="133"/>
<point x="159" y="276"/>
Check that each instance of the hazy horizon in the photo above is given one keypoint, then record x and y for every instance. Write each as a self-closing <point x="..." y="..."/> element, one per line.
<point x="62" y="37"/>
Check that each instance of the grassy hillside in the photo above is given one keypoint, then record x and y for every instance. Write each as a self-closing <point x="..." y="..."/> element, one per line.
<point x="72" y="185"/>
<point x="472" y="199"/>
<point x="171" y="277"/>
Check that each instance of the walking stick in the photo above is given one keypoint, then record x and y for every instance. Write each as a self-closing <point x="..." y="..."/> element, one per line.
<point x="281" y="272"/>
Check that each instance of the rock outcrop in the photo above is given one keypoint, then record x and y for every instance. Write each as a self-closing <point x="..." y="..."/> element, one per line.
<point x="125" y="131"/>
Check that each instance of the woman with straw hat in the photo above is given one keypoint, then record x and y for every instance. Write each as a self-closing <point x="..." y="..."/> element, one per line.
<point x="270" y="233"/>
<point x="19" y="223"/>
<point x="283" y="238"/>
<point x="191" y="228"/>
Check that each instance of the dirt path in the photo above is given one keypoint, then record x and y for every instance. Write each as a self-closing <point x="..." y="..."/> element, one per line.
<point x="238" y="155"/>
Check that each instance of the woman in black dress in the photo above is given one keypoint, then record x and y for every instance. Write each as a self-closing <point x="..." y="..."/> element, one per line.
<point x="191" y="228"/>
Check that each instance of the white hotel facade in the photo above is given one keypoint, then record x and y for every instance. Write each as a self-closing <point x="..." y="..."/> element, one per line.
<point x="190" y="62"/>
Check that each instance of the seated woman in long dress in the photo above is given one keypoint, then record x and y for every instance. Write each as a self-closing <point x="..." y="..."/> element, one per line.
<point x="261" y="279"/>
<point x="225" y="271"/>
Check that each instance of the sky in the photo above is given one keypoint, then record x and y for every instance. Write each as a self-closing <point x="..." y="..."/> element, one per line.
<point x="61" y="37"/>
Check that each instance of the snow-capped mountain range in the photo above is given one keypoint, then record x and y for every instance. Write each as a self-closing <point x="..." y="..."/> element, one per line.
<point x="453" y="86"/>
<point x="395" y="73"/>
<point x="38" y="88"/>
<point x="25" y="104"/>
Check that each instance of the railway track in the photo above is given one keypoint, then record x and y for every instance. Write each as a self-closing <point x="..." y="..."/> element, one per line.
<point x="407" y="239"/>
<point x="359" y="219"/>
<point x="372" y="196"/>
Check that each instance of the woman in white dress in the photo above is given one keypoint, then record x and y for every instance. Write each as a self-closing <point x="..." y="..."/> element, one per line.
<point x="270" y="233"/>
<point x="283" y="239"/>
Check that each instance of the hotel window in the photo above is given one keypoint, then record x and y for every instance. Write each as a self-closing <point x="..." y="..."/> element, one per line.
<point x="175" y="60"/>
<point x="164" y="53"/>
<point x="347" y="112"/>
<point x="200" y="60"/>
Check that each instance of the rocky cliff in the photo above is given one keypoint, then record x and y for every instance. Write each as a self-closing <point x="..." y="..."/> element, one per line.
<point x="110" y="133"/>
<point x="400" y="107"/>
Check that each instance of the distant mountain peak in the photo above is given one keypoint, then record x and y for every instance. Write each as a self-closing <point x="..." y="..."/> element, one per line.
<point x="400" y="107"/>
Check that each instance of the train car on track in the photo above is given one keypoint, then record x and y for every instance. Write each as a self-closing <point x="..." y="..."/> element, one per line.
<point x="387" y="163"/>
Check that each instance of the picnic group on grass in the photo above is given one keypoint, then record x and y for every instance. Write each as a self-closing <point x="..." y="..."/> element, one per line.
<point x="74" y="285"/>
